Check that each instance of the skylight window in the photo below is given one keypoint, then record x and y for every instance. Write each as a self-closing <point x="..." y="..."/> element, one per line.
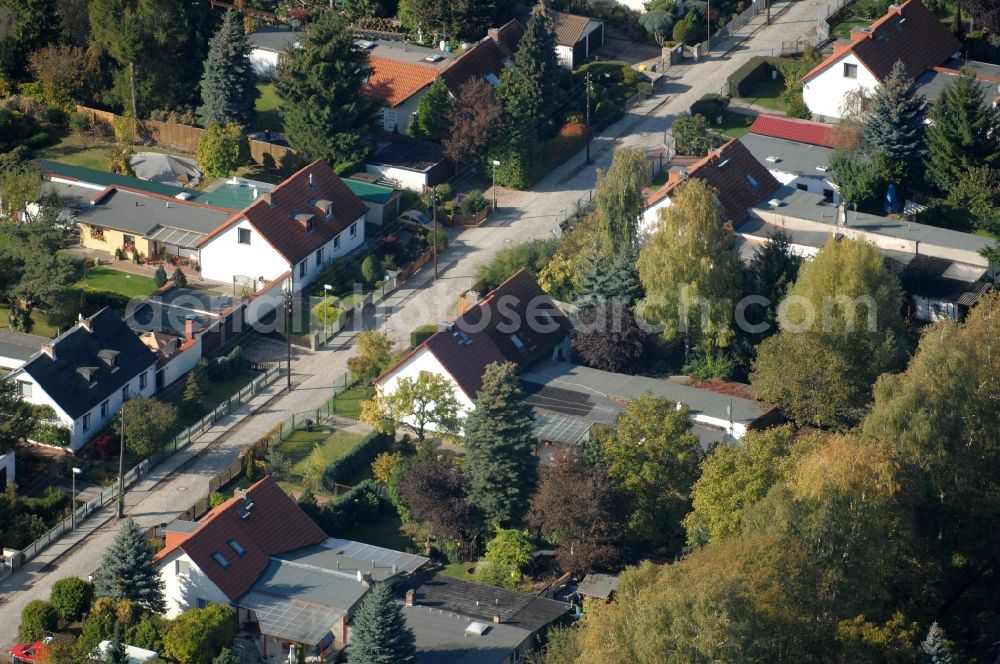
<point x="516" y="340"/>
<point x="221" y="559"/>
<point x="750" y="180"/>
<point x="436" y="57"/>
<point x="237" y="547"/>
<point x="492" y="79"/>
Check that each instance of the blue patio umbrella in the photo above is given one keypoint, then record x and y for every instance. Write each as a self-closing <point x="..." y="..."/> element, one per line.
<point x="891" y="200"/>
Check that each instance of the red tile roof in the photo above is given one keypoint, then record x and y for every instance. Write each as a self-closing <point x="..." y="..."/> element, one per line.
<point x="792" y="129"/>
<point x="486" y="332"/>
<point x="507" y="35"/>
<point x="482" y="58"/>
<point x="910" y="33"/>
<point x="392" y="82"/>
<point x="273" y="215"/>
<point x="739" y="180"/>
<point x="569" y="28"/>
<point x="275" y="524"/>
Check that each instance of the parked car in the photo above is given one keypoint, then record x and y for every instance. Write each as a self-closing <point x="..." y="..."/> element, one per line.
<point x="417" y="221"/>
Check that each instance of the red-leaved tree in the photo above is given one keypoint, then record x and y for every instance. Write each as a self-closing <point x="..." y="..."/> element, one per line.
<point x="476" y="119"/>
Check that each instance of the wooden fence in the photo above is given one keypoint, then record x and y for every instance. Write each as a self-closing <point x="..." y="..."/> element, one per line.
<point x="185" y="139"/>
<point x="468" y="220"/>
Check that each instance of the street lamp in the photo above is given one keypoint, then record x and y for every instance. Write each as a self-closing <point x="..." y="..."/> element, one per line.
<point x="495" y="164"/>
<point x="433" y="232"/>
<point x="76" y="471"/>
<point x="288" y="334"/>
<point x="326" y="314"/>
<point x="121" y="465"/>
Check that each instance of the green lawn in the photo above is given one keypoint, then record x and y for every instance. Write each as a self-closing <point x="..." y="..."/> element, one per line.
<point x="769" y="94"/>
<point x="386" y="533"/>
<point x="107" y="279"/>
<point x="81" y="151"/>
<point x="267" y="108"/>
<point x="348" y="404"/>
<point x="458" y="571"/>
<point x="301" y="444"/>
<point x="843" y="29"/>
<point x="734" y="125"/>
<point x="40" y="327"/>
<point x="217" y="392"/>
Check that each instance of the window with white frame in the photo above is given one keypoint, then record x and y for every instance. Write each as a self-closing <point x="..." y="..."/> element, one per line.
<point x="302" y="268"/>
<point x="850" y="70"/>
<point x="336" y="242"/>
<point x="243" y="235"/>
<point x="319" y="256"/>
<point x="86" y="422"/>
<point x="105" y="409"/>
<point x="125" y="392"/>
<point x="354" y="230"/>
<point x="143" y="380"/>
<point x="24" y="388"/>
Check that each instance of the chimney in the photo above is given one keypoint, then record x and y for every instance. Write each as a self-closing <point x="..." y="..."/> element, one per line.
<point x="189" y="328"/>
<point x="266" y="197"/>
<point x="409" y="597"/>
<point x="240" y="493"/>
<point x="49" y="350"/>
<point x="85" y="324"/>
<point x="310" y="179"/>
<point x="496" y="618"/>
<point x="861" y="34"/>
<point x="494" y="34"/>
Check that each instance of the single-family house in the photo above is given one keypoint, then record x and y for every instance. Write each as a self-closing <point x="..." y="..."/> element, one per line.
<point x="268" y="44"/>
<point x="516" y="322"/>
<point x="796" y="152"/>
<point x="260" y="553"/>
<point x="908" y="33"/>
<point x="738" y="179"/>
<point x="577" y="37"/>
<point x="86" y="373"/>
<point x="485" y="59"/>
<point x="296" y="228"/>
<point x="8" y="470"/>
<point x="463" y="622"/>
<point x="942" y="270"/>
<point x="398" y="76"/>
<point x="16" y="348"/>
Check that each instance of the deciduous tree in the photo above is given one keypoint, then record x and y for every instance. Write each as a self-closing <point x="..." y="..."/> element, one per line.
<point x="425" y="402"/>
<point x="324" y="114"/>
<point x="58" y="68"/>
<point x="691" y="134"/>
<point x="587" y="527"/>
<point x="374" y="353"/>
<point x="964" y="133"/>
<point x="70" y="597"/>
<point x="435" y="495"/>
<point x="17" y="417"/>
<point x="608" y="338"/>
<point x="431" y="120"/>
<point x="379" y="633"/>
<point x="506" y="555"/>
<point x="619" y="200"/>
<point x="501" y="471"/>
<point x="222" y="149"/>
<point x="475" y="119"/>
<point x="127" y="570"/>
<point x="149" y="425"/>
<point x="841" y="327"/>
<point x="197" y="635"/>
<point x="228" y="85"/>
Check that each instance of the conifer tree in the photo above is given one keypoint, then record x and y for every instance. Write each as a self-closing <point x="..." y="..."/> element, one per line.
<point x="179" y="278"/>
<point x="431" y="120"/>
<point x="964" y="133"/>
<point x="160" y="276"/>
<point x="116" y="654"/>
<point x="323" y="112"/>
<point x="613" y="279"/>
<point x="500" y="470"/>
<point x="191" y="402"/>
<point x="229" y="85"/>
<point x="934" y="649"/>
<point x="127" y="570"/>
<point x="379" y="633"/>
<point x="895" y="126"/>
<point x="528" y="90"/>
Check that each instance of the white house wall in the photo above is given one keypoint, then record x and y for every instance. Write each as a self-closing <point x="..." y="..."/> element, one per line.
<point x="224" y="257"/>
<point x="401" y="177"/>
<point x="824" y="93"/>
<point x="264" y="61"/>
<point x="813" y="185"/>
<point x="424" y="360"/>
<point x="346" y="245"/>
<point x="183" y="590"/>
<point x="565" y="55"/>
<point x="181" y="363"/>
<point x="649" y="218"/>
<point x="403" y="113"/>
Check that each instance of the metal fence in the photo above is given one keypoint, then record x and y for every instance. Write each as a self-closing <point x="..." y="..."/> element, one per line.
<point x="313" y="417"/>
<point x="110" y="495"/>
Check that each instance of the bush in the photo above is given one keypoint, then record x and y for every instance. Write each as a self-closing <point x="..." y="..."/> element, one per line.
<point x="79" y="123"/>
<point x="691" y="134"/>
<point x="225" y="368"/>
<point x="357" y="460"/>
<point x="795" y="106"/>
<point x="222" y="150"/>
<point x="421" y="334"/>
<point x="37" y="618"/>
<point x="160" y="277"/>
<point x="533" y="256"/>
<point x="474" y="202"/>
<point x="179" y="279"/>
<point x="368" y="269"/>
<point x="685" y="31"/>
<point x="197" y="635"/>
<point x="50" y="433"/>
<point x="711" y="106"/>
<point x="605" y="113"/>
<point x="364" y="503"/>
<point x="753" y="72"/>
<point x="70" y="597"/>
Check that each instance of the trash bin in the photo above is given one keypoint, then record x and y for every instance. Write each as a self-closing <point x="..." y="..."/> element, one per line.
<point x="309" y="426"/>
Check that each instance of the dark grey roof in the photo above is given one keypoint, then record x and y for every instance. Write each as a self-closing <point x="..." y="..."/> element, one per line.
<point x="441" y="638"/>
<point x="481" y="602"/>
<point x="78" y="348"/>
<point x="167" y="311"/>
<point x="792" y="157"/>
<point x="598" y="585"/>
<point x="290" y="581"/>
<point x="20" y="346"/>
<point x="411" y="155"/>
<point x="931" y="83"/>
<point x="136" y="213"/>
<point x="938" y="278"/>
<point x="274" y="39"/>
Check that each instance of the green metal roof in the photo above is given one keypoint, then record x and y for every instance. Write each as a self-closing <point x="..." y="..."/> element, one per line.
<point x="374" y="193"/>
<point x="229" y="196"/>
<point x="107" y="179"/>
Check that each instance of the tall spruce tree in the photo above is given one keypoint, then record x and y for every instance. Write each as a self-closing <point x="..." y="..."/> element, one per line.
<point x="501" y="472"/>
<point x="528" y="90"/>
<point x="116" y="653"/>
<point x="935" y="649"/>
<point x="127" y="570"/>
<point x="895" y="126"/>
<point x="431" y="120"/>
<point x="964" y="133"/>
<point x="612" y="279"/>
<point x="228" y="86"/>
<point x="379" y="633"/>
<point x="324" y="114"/>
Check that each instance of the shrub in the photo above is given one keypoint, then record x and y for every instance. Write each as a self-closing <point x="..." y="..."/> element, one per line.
<point x="691" y="134"/>
<point x="179" y="279"/>
<point x="37" y="618"/>
<point x="474" y="202"/>
<point x="711" y="106"/>
<point x="795" y="106"/>
<point x="326" y="311"/>
<point x="365" y="502"/>
<point x="79" y="123"/>
<point x="685" y="31"/>
<point x="197" y="635"/>
<point x="368" y="271"/>
<point x="50" y="433"/>
<point x="222" y="150"/>
<point x="421" y="334"/>
<point x="604" y="114"/>
<point x="225" y="368"/>
<point x="70" y="597"/>
<point x="160" y="276"/>
<point x="357" y="460"/>
<point x="533" y="256"/>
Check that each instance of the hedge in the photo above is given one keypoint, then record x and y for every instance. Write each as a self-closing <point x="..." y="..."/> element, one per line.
<point x="421" y="334"/>
<point x="50" y="433"/>
<point x="363" y="504"/>
<point x="710" y="106"/>
<point x="754" y="71"/>
<point x="357" y="460"/>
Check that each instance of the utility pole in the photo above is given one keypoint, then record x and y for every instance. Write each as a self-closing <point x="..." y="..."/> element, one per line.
<point x="588" y="117"/>
<point x="708" y="27"/>
<point x="121" y="467"/>
<point x="135" y="110"/>
<point x="767" y="5"/>
<point x="288" y="335"/>
<point x="434" y="227"/>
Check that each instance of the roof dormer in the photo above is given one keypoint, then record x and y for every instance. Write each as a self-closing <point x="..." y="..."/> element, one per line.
<point x="325" y="205"/>
<point x="109" y="357"/>
<point x="305" y="219"/>
<point x="89" y="374"/>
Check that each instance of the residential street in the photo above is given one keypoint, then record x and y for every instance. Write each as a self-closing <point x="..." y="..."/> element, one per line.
<point x="523" y="216"/>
